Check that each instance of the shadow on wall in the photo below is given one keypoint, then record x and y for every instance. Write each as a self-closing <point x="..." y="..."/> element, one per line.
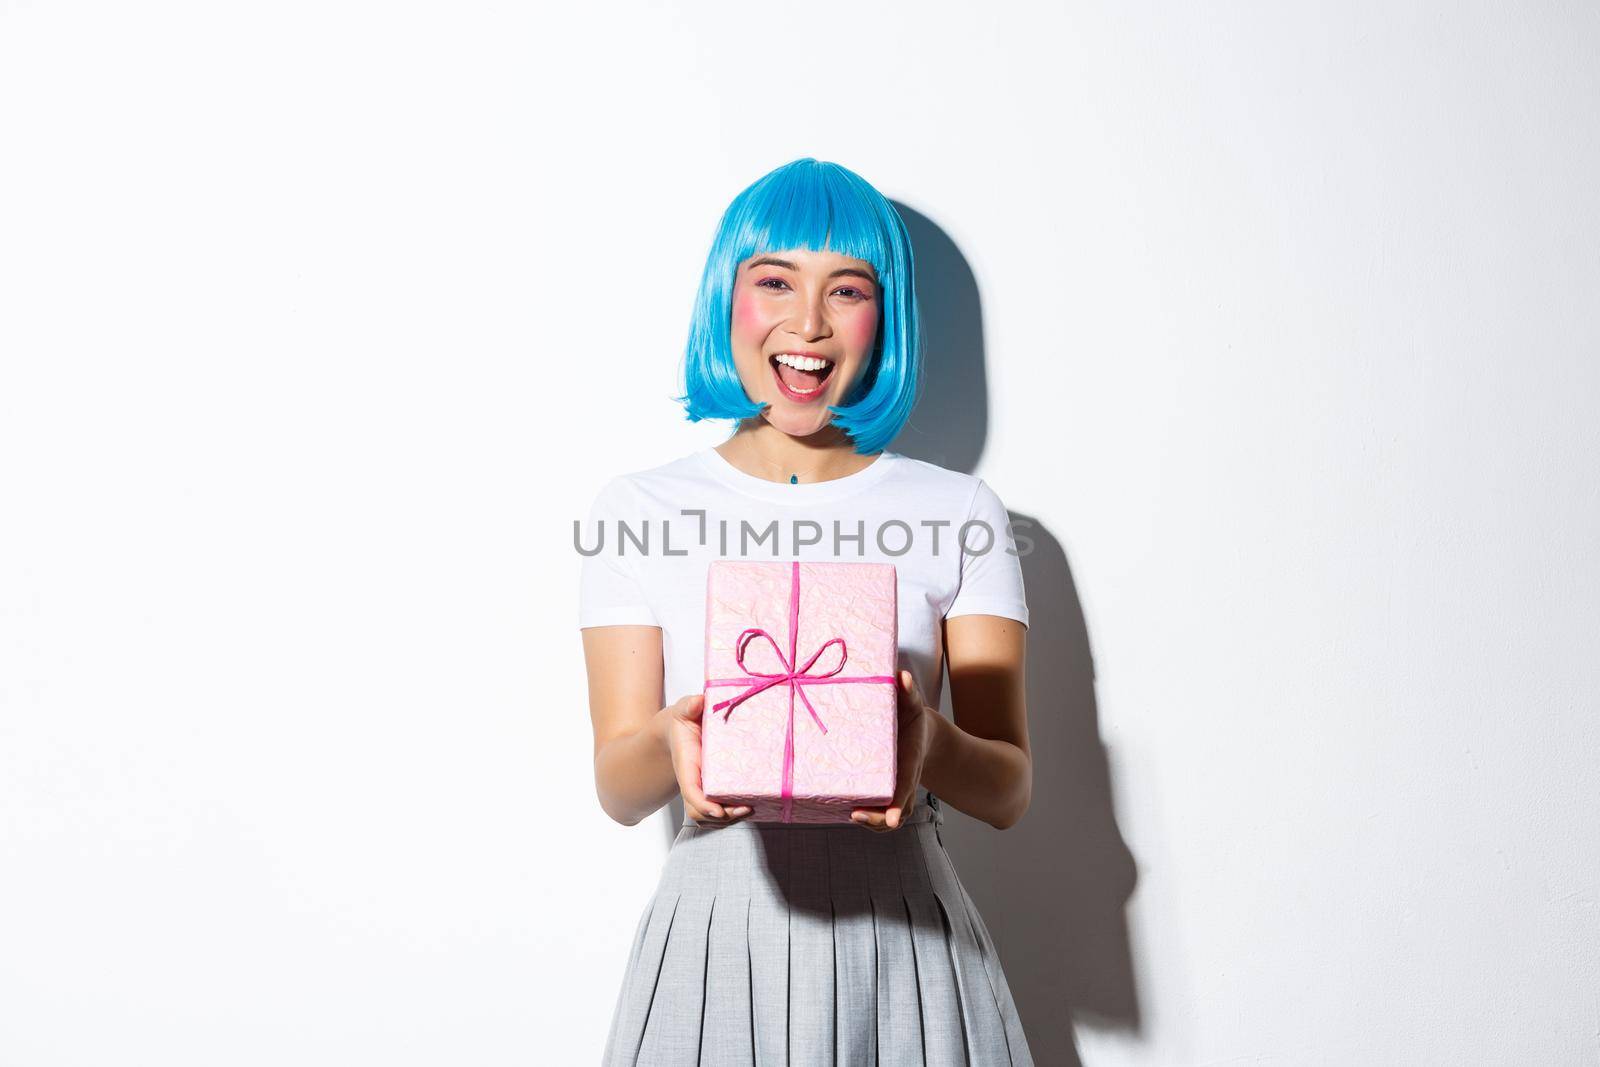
<point x="1052" y="890"/>
<point x="951" y="420"/>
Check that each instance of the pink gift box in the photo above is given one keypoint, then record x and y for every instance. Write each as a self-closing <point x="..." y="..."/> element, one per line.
<point x="801" y="711"/>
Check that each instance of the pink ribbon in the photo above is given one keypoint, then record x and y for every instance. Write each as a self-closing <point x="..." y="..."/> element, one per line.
<point x="758" y="681"/>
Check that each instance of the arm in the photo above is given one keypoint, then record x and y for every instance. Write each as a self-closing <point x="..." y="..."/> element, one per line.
<point x="633" y="771"/>
<point x="980" y="763"/>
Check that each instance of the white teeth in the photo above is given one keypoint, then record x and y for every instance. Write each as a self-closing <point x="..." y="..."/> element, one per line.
<point x="801" y="362"/>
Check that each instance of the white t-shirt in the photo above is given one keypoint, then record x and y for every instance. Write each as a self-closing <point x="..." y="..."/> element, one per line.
<point x="657" y="531"/>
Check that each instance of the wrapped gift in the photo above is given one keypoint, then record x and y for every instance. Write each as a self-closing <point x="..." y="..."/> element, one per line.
<point x="800" y="713"/>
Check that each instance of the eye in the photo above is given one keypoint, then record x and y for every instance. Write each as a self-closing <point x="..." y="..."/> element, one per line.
<point x="856" y="294"/>
<point x="777" y="281"/>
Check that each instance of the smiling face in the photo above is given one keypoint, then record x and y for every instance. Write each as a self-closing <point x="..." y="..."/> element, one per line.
<point x="804" y="325"/>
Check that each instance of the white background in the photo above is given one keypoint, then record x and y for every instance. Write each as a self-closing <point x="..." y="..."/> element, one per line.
<point x="321" y="322"/>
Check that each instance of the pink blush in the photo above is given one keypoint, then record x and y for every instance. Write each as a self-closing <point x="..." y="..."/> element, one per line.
<point x="746" y="312"/>
<point x="862" y="330"/>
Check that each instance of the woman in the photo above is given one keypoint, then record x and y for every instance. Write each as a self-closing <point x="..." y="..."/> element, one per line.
<point x="769" y="943"/>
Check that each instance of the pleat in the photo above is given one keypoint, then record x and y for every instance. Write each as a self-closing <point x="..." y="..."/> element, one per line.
<point x="898" y="1017"/>
<point x="769" y="939"/>
<point x="1021" y="1056"/>
<point x="613" y="1052"/>
<point x="673" y="1025"/>
<point x="811" y="963"/>
<point x="727" y="1038"/>
<point x="855" y="951"/>
<point x="640" y="989"/>
<point x="982" y="1010"/>
<point x="943" y="1033"/>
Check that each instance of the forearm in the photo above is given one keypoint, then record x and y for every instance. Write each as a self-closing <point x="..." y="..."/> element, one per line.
<point x="988" y="779"/>
<point x="633" y="772"/>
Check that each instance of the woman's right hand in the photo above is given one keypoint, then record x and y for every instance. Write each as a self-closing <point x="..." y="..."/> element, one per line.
<point x="682" y="728"/>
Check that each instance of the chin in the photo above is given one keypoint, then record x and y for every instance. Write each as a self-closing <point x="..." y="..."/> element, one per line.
<point x="796" y="425"/>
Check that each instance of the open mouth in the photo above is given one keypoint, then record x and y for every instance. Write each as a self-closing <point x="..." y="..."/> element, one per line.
<point x="800" y="377"/>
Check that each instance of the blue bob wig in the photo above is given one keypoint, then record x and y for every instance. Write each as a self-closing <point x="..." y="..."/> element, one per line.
<point x="820" y="207"/>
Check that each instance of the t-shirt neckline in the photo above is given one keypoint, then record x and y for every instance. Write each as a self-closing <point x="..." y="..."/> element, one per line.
<point x="799" y="492"/>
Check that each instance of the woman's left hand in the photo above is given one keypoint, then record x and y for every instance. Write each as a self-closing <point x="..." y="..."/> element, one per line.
<point x="916" y="728"/>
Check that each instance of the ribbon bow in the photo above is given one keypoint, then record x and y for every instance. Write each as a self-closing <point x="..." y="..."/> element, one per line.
<point x="796" y="678"/>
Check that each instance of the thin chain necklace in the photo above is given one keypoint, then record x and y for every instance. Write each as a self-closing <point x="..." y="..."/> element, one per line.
<point x="794" y="476"/>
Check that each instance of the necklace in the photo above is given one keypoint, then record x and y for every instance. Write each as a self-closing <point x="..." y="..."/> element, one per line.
<point x="794" y="476"/>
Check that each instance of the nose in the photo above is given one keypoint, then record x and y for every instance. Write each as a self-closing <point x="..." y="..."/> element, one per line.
<point x="814" y="323"/>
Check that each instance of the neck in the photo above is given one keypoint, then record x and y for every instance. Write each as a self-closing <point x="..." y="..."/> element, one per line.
<point x="760" y="449"/>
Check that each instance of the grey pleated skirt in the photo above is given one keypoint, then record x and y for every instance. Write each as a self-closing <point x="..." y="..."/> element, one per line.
<point x="767" y="945"/>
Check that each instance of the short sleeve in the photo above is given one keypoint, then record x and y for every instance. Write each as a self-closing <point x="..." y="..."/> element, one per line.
<point x="991" y="579"/>
<point x="610" y="592"/>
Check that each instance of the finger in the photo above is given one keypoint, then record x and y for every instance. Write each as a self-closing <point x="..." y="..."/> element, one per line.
<point x="708" y="809"/>
<point x="904" y="785"/>
<point x="872" y="820"/>
<point x="699" y="802"/>
<point x="897" y="813"/>
<point x="883" y="820"/>
<point x="705" y="807"/>
<point x="702" y="808"/>
<point x="731" y="816"/>
<point x="910" y="694"/>
<point x="694" y="796"/>
<point x="909" y="680"/>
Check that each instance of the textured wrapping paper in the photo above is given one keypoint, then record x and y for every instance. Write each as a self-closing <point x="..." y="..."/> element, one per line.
<point x="801" y="714"/>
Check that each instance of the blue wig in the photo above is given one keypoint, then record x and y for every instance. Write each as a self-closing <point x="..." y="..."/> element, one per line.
<point x="819" y="207"/>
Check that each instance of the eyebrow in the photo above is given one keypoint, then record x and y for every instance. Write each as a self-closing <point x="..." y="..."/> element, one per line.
<point x="762" y="261"/>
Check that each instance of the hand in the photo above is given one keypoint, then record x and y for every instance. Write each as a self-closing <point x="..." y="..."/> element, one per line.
<point x="915" y="737"/>
<point x="682" y="728"/>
